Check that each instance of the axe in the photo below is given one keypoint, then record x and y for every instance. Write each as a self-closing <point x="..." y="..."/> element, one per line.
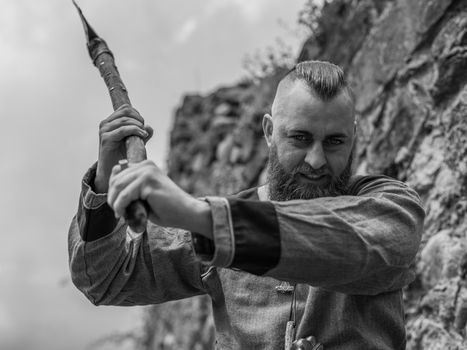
<point x="137" y="212"/>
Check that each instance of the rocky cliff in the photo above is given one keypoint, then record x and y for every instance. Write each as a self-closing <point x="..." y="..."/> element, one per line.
<point x="407" y="64"/>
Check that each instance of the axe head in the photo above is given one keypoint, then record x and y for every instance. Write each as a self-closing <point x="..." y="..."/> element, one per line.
<point x="96" y="45"/>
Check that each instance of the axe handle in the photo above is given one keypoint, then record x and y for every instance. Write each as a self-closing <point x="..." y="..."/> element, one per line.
<point x="137" y="212"/>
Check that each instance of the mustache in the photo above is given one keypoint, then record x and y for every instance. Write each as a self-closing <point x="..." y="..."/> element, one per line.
<point x="308" y="170"/>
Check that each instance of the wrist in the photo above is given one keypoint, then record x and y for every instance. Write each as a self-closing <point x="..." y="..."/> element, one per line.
<point x="101" y="182"/>
<point x="200" y="220"/>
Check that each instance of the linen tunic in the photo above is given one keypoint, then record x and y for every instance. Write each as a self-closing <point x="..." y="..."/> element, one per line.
<point x="350" y="256"/>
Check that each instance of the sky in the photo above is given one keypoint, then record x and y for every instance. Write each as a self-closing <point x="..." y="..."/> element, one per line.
<point x="52" y="100"/>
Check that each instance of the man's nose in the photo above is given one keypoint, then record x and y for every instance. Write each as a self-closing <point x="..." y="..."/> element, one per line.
<point x="315" y="156"/>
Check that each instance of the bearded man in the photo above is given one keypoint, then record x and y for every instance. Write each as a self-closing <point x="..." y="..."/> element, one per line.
<point x="316" y="254"/>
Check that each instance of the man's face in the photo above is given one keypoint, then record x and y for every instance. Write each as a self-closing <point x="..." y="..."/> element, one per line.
<point x="310" y="144"/>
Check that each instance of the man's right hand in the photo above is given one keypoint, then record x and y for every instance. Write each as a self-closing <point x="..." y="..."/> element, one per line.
<point x="124" y="122"/>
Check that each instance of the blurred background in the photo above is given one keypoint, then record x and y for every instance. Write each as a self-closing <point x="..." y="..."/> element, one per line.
<point x="52" y="100"/>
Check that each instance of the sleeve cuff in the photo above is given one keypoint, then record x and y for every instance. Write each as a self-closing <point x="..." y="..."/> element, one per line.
<point x="222" y="230"/>
<point x="257" y="235"/>
<point x="246" y="235"/>
<point x="95" y="217"/>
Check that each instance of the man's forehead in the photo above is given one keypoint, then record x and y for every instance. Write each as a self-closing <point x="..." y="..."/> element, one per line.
<point x="285" y="88"/>
<point x="296" y="97"/>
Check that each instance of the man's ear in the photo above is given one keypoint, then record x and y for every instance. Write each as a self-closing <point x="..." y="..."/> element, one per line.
<point x="267" y="128"/>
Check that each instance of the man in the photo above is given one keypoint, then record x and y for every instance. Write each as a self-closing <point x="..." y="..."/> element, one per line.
<point x="316" y="250"/>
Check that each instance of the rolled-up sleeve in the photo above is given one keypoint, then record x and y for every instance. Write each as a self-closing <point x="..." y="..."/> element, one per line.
<point x="363" y="243"/>
<point x="113" y="266"/>
<point x="220" y="252"/>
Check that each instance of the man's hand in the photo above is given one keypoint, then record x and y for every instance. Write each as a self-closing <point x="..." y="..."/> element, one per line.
<point x="170" y="206"/>
<point x="124" y="122"/>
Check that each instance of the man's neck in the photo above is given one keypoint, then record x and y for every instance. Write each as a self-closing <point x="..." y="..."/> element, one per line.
<point x="263" y="192"/>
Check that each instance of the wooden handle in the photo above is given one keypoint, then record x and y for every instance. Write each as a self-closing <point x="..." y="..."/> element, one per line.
<point x="137" y="212"/>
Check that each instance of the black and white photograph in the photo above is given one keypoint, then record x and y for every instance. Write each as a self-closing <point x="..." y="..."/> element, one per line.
<point x="233" y="175"/>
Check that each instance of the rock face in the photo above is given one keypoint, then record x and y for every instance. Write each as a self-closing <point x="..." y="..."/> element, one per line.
<point x="407" y="64"/>
<point x="217" y="144"/>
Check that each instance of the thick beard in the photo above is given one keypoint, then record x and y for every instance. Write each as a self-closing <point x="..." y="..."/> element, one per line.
<point x="283" y="186"/>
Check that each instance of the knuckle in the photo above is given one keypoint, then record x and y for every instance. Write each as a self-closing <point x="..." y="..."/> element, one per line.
<point x="118" y="186"/>
<point x="129" y="130"/>
<point x="135" y="114"/>
<point x="112" y="180"/>
<point x="144" y="174"/>
<point x="131" y="121"/>
<point x="149" y="167"/>
<point x="120" y="133"/>
<point x="105" y="139"/>
<point x="126" y="111"/>
<point x="103" y="134"/>
<point x="148" y="176"/>
<point x="123" y="197"/>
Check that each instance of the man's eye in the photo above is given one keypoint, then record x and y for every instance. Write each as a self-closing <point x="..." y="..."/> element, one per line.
<point x="300" y="138"/>
<point x="334" y="141"/>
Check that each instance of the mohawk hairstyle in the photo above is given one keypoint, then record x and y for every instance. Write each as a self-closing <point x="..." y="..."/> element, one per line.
<point x="325" y="79"/>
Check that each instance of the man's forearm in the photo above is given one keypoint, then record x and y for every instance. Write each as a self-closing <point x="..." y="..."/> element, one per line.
<point x="199" y="219"/>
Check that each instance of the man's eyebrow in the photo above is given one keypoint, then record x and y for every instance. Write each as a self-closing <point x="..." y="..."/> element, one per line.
<point x="305" y="132"/>
<point x="298" y="130"/>
<point x="338" y="134"/>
